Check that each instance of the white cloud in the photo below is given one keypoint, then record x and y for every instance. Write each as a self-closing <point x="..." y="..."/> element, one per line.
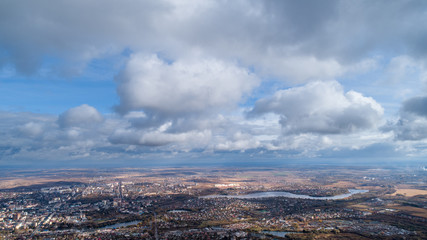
<point x="321" y="107"/>
<point x="32" y="129"/>
<point x="81" y="116"/>
<point x="187" y="140"/>
<point x="183" y="87"/>
<point x="405" y="76"/>
<point x="304" y="68"/>
<point x="238" y="141"/>
<point x="401" y="67"/>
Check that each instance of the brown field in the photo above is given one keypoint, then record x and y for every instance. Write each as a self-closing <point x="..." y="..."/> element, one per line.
<point x="409" y="192"/>
<point x="342" y="184"/>
<point x="20" y="181"/>
<point x="362" y="207"/>
<point x="328" y="236"/>
<point x="415" y="211"/>
<point x="12" y="183"/>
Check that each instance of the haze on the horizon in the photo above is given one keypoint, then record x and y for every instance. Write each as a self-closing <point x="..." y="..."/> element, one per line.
<point x="118" y="82"/>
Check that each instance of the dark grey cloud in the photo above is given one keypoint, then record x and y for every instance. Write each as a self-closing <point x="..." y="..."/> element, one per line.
<point x="417" y="105"/>
<point x="257" y="33"/>
<point x="296" y="20"/>
<point x="409" y="128"/>
<point x="74" y="32"/>
<point x="412" y="122"/>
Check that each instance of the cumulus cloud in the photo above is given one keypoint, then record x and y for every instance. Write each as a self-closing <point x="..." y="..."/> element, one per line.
<point x="81" y="116"/>
<point x="321" y="107"/>
<point x="117" y="138"/>
<point x="40" y="137"/>
<point x="188" y="87"/>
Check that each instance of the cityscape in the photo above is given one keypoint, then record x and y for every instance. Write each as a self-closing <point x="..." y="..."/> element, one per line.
<point x="205" y="203"/>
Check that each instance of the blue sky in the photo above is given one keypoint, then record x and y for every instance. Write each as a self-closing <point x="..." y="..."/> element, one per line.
<point x="107" y="83"/>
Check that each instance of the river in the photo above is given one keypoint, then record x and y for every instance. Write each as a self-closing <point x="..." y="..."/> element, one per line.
<point x="119" y="225"/>
<point x="288" y="195"/>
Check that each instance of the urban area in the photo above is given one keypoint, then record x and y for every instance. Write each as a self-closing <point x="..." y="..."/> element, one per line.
<point x="189" y="203"/>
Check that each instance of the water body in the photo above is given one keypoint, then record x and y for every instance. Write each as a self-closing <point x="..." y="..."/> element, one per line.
<point x="178" y="211"/>
<point x="119" y="225"/>
<point x="288" y="195"/>
<point x="276" y="234"/>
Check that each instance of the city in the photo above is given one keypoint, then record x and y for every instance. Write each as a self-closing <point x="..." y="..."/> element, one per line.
<point x="193" y="203"/>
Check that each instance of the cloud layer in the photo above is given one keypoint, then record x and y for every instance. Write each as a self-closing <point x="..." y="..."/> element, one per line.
<point x="271" y="36"/>
<point x="292" y="78"/>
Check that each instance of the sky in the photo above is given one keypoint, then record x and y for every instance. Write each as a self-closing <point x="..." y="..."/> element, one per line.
<point x="126" y="83"/>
